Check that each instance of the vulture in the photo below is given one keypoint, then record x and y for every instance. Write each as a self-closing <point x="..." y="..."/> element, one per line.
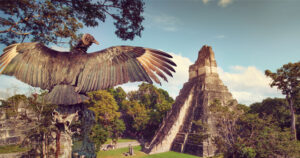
<point x="68" y="76"/>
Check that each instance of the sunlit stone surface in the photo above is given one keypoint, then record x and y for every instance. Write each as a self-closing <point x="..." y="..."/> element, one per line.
<point x="177" y="131"/>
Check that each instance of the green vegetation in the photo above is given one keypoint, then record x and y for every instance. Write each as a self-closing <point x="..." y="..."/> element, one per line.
<point x="50" y="21"/>
<point x="107" y="117"/>
<point x="121" y="140"/>
<point x="139" y="154"/>
<point x="262" y="129"/>
<point x="248" y="133"/>
<point x="10" y="105"/>
<point x="171" y="154"/>
<point x="136" y="114"/>
<point x="37" y="137"/>
<point x="144" y="110"/>
<point x="119" y="152"/>
<point x="287" y="80"/>
<point x="12" y="149"/>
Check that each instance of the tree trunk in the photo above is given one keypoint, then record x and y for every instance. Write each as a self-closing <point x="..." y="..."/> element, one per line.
<point x="46" y="145"/>
<point x="293" y="118"/>
<point x="43" y="146"/>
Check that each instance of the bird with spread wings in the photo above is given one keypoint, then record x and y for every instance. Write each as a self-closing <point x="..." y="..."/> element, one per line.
<point x="69" y="75"/>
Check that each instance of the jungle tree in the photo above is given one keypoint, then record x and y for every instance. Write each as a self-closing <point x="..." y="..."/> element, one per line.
<point x="48" y="21"/>
<point x="287" y="79"/>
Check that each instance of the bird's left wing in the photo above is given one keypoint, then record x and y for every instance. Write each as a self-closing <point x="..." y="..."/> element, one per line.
<point x="122" y="64"/>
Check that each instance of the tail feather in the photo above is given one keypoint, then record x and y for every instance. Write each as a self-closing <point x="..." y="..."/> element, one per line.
<point x="65" y="95"/>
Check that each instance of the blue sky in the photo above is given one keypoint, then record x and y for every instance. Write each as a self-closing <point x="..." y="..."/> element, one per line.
<point x="247" y="36"/>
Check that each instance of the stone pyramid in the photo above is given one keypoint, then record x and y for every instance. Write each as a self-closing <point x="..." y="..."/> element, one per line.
<point x="177" y="131"/>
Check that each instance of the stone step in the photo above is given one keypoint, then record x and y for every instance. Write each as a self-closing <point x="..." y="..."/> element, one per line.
<point x="10" y="140"/>
<point x="7" y="133"/>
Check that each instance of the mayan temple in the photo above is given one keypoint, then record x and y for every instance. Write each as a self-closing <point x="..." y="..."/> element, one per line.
<point x="177" y="132"/>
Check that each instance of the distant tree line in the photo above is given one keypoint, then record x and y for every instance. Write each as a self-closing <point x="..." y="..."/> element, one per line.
<point x="264" y="129"/>
<point x="259" y="130"/>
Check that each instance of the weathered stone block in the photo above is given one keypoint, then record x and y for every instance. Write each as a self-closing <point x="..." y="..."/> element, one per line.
<point x="178" y="132"/>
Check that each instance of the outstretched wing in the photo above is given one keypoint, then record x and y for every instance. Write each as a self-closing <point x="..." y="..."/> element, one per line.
<point x="122" y="64"/>
<point x="38" y="65"/>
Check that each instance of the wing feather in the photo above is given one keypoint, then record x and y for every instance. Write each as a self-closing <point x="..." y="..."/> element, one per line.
<point x="38" y="65"/>
<point x="160" y="65"/>
<point x="162" y="59"/>
<point x="155" y="69"/>
<point x="43" y="67"/>
<point x="146" y="65"/>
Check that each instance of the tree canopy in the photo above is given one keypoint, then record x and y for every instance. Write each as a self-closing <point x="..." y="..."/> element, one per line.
<point x="249" y="133"/>
<point x="50" y="21"/>
<point x="108" y="124"/>
<point x="146" y="108"/>
<point x="287" y="79"/>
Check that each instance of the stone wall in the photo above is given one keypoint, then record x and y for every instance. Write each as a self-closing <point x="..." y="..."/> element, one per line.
<point x="13" y="130"/>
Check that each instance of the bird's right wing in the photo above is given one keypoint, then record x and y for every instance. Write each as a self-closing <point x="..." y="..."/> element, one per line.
<point x="38" y="65"/>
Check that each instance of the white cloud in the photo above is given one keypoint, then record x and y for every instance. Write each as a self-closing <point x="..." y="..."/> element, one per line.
<point x="10" y="86"/>
<point x="174" y="83"/>
<point x="163" y="21"/>
<point x="220" y="36"/>
<point x="224" y="3"/>
<point x="181" y="75"/>
<point x="127" y="87"/>
<point x="61" y="49"/>
<point x="206" y="1"/>
<point x="248" y="84"/>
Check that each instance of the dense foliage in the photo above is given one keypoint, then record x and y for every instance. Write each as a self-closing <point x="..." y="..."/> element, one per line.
<point x="38" y="135"/>
<point x="107" y="117"/>
<point x="145" y="109"/>
<point x="287" y="79"/>
<point x="255" y="131"/>
<point x="49" y="21"/>
<point x="136" y="114"/>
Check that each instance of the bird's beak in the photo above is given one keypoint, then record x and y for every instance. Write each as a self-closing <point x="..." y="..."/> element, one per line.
<point x="96" y="42"/>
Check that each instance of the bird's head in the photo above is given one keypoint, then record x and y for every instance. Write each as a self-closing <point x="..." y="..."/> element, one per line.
<point x="88" y="39"/>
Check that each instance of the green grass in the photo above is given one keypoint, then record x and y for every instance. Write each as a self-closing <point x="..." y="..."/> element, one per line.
<point x="118" y="153"/>
<point x="77" y="144"/>
<point x="11" y="149"/>
<point x="121" y="140"/>
<point x="171" y="154"/>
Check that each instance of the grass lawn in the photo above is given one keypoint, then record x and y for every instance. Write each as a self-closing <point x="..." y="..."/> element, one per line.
<point x="121" y="140"/>
<point x="77" y="144"/>
<point x="12" y="149"/>
<point x="118" y="153"/>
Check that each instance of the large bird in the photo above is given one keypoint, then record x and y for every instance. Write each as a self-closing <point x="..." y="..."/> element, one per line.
<point x="69" y="75"/>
